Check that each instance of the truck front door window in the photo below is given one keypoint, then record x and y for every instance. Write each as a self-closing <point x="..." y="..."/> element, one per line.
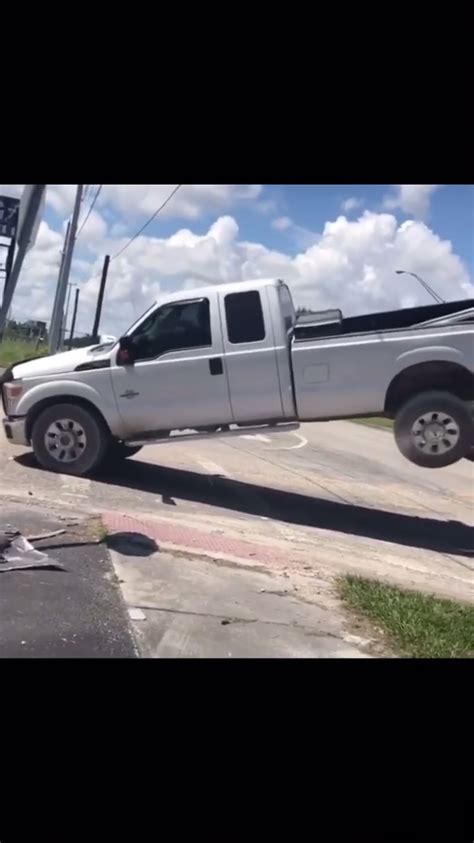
<point x="174" y="326"/>
<point x="244" y="317"/>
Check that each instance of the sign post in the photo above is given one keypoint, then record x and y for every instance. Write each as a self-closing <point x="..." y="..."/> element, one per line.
<point x="9" y="210"/>
<point x="27" y="234"/>
<point x="30" y="211"/>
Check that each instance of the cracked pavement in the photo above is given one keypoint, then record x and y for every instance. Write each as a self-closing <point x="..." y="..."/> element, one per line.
<point x="194" y="608"/>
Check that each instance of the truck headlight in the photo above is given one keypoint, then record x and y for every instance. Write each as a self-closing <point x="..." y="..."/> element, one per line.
<point x="12" y="392"/>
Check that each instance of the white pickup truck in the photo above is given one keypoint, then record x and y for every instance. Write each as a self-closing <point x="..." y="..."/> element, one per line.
<point x="234" y="358"/>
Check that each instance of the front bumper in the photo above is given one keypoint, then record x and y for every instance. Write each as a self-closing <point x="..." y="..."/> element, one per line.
<point x="15" y="431"/>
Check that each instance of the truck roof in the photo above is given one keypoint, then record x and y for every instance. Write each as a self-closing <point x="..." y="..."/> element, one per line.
<point x="234" y="287"/>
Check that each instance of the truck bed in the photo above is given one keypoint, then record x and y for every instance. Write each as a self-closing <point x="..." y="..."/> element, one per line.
<point x="331" y="322"/>
<point x="347" y="373"/>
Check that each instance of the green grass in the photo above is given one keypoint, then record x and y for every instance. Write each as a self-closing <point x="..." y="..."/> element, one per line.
<point x="386" y="424"/>
<point x="415" y="624"/>
<point x="13" y="350"/>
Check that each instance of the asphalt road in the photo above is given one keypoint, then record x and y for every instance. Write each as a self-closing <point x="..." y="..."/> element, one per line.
<point x="337" y="496"/>
<point x="77" y="612"/>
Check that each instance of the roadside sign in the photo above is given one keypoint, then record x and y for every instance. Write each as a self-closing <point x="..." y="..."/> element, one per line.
<point x="9" y="211"/>
<point x="24" y="203"/>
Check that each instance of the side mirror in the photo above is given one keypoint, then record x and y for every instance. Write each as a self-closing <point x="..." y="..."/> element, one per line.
<point x="125" y="355"/>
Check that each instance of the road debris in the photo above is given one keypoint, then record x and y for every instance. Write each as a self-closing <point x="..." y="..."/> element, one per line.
<point x="42" y="536"/>
<point x="137" y="615"/>
<point x="18" y="554"/>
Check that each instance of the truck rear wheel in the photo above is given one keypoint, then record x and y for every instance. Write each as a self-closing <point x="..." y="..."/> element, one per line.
<point x="434" y="429"/>
<point x="69" y="439"/>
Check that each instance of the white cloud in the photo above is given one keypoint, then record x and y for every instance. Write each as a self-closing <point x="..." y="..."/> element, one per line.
<point x="189" y="202"/>
<point x="352" y="266"/>
<point x="94" y="230"/>
<point x="267" y="206"/>
<point x="61" y="197"/>
<point x="412" y="199"/>
<point x="282" y="223"/>
<point x="351" y="204"/>
<point x="301" y="237"/>
<point x="33" y="296"/>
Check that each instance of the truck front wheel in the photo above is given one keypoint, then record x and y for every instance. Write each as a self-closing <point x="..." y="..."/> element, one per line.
<point x="69" y="439"/>
<point x="121" y="451"/>
<point x="434" y="429"/>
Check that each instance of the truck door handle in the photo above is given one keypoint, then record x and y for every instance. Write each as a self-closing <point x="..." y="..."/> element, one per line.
<point x="215" y="366"/>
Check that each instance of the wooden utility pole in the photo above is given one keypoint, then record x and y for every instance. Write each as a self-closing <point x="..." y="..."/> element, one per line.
<point x="74" y="314"/>
<point x="100" y="298"/>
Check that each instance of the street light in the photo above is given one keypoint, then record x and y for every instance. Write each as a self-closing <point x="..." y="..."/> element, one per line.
<point x="426" y="286"/>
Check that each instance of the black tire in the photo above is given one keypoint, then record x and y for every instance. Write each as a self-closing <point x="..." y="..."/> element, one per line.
<point x="121" y="451"/>
<point x="443" y="438"/>
<point x="91" y="447"/>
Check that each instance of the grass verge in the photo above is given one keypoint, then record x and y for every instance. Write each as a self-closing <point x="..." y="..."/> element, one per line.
<point x="385" y="424"/>
<point x="416" y="625"/>
<point x="13" y="350"/>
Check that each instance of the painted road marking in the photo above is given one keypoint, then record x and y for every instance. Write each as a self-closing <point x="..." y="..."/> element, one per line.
<point x="302" y="442"/>
<point x="212" y="467"/>
<point x="257" y="436"/>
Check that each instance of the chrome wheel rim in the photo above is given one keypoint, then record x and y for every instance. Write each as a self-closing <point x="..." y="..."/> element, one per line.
<point x="65" y="440"/>
<point x="435" y="433"/>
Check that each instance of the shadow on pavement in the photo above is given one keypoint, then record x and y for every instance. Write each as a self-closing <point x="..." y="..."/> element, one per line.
<point x="132" y="544"/>
<point x="290" y="507"/>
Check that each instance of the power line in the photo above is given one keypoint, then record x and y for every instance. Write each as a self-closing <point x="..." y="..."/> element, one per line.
<point x="158" y="210"/>
<point x="90" y="209"/>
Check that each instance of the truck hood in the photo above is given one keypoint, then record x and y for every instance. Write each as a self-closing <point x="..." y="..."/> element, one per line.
<point x="63" y="363"/>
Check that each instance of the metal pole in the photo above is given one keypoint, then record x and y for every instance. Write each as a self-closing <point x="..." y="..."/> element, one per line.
<point x="100" y="299"/>
<point x="30" y="219"/>
<point x="66" y="312"/>
<point x="55" y="331"/>
<point x="58" y="286"/>
<point x="62" y="333"/>
<point x="74" y="314"/>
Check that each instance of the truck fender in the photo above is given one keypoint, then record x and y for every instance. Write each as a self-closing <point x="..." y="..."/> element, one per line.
<point x="64" y="389"/>
<point x="428" y="355"/>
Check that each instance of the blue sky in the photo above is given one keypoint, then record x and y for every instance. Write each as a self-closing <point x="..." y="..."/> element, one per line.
<point x="336" y="245"/>
<point x="450" y="215"/>
<point x="451" y="212"/>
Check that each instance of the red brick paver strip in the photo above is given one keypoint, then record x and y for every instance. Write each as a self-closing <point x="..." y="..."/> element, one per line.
<point x="192" y="539"/>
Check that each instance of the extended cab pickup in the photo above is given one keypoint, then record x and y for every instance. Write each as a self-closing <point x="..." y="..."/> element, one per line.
<point x="231" y="358"/>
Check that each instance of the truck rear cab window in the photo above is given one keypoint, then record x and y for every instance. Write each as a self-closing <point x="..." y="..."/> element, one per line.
<point x="244" y="316"/>
<point x="173" y="327"/>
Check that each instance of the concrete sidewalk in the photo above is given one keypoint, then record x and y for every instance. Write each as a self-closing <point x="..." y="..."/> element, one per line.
<point x="76" y="613"/>
<point x="185" y="606"/>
